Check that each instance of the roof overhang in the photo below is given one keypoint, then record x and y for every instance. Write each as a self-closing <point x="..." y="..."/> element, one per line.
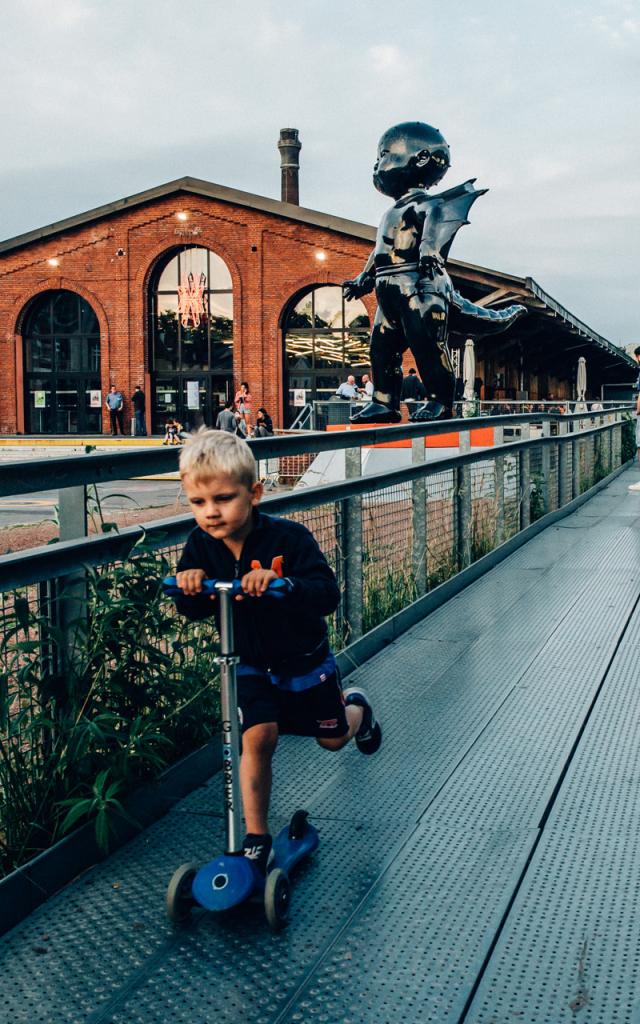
<point x="487" y="287"/>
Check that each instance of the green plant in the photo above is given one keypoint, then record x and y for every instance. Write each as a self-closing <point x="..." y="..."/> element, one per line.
<point x="386" y="590"/>
<point x="483" y="535"/>
<point x="92" y="709"/>
<point x="629" y="446"/>
<point x="536" y="497"/>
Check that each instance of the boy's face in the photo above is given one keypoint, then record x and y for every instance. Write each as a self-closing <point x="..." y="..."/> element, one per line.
<point x="222" y="507"/>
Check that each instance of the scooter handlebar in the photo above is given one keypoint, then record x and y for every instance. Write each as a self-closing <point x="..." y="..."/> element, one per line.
<point x="277" y="588"/>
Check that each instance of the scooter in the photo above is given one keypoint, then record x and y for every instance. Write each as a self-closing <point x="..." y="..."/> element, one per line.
<point x="231" y="878"/>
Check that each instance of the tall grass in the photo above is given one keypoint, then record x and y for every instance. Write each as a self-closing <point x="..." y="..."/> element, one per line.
<point x="90" y="712"/>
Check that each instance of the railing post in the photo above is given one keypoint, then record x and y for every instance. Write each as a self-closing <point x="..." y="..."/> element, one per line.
<point x="617" y="443"/>
<point x="419" y="520"/>
<point x="69" y="605"/>
<point x="564" y="450"/>
<point x="352" y="551"/>
<point x="575" y="467"/>
<point x="545" y="466"/>
<point x="498" y="470"/>
<point x="462" y="478"/>
<point x="524" y="480"/>
<point x="72" y="512"/>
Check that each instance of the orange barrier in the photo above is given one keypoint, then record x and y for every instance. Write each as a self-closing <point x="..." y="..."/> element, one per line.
<point x="482" y="437"/>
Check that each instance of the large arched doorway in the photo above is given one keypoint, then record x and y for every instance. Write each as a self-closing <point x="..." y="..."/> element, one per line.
<point x="61" y="341"/>
<point x="191" y="337"/>
<point x="325" y="339"/>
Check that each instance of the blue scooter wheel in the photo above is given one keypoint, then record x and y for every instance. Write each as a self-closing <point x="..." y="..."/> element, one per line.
<point x="277" y="898"/>
<point x="180" y="899"/>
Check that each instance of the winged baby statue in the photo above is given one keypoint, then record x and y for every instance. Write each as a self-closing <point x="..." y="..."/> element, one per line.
<point x="417" y="303"/>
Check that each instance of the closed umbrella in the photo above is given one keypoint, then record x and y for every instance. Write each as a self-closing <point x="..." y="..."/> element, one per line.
<point x="581" y="379"/>
<point x="469" y="377"/>
<point x="581" y="385"/>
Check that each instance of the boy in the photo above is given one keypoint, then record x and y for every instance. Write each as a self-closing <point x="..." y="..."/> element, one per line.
<point x="287" y="677"/>
<point x="173" y="430"/>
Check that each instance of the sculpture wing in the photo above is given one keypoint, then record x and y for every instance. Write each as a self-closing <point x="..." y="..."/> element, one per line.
<point x="454" y="205"/>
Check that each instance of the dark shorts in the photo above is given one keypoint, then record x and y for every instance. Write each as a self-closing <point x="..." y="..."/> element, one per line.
<point x="317" y="711"/>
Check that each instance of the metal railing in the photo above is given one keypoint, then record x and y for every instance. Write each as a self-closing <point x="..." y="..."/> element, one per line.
<point x="533" y="467"/>
<point x="392" y="538"/>
<point x="319" y="415"/>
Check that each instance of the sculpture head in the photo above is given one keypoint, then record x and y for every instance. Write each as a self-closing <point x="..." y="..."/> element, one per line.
<point x="410" y="155"/>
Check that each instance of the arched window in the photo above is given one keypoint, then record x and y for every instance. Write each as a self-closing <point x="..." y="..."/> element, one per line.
<point x="61" y="340"/>
<point x="191" y="336"/>
<point x="325" y="339"/>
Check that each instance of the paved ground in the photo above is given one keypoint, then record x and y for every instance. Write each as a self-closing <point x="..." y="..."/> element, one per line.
<point x="482" y="868"/>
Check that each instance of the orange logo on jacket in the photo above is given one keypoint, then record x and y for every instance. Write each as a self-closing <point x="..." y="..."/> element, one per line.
<point x="277" y="565"/>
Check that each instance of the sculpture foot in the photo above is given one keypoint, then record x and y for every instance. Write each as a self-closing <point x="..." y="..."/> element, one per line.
<point x="431" y="410"/>
<point x="376" y="412"/>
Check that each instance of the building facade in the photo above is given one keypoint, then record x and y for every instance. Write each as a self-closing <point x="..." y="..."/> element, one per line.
<point x="190" y="288"/>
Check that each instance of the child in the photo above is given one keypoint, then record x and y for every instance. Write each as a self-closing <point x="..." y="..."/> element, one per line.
<point x="172" y="431"/>
<point x="288" y="680"/>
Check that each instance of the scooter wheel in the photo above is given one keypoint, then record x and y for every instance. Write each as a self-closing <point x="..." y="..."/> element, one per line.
<point x="179" y="899"/>
<point x="298" y="825"/>
<point x="277" y="898"/>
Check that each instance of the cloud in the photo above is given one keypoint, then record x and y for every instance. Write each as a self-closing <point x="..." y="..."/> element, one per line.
<point x="620" y="27"/>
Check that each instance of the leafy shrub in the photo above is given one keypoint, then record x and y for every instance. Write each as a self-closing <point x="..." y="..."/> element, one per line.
<point x="90" y="710"/>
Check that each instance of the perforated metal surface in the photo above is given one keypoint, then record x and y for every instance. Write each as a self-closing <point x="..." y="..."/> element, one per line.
<point x="571" y="947"/>
<point x="424" y="857"/>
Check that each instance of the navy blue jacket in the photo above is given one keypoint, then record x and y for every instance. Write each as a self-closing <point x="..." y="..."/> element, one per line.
<point x="287" y="635"/>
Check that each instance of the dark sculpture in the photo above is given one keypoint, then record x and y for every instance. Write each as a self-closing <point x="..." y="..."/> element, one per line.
<point x="417" y="304"/>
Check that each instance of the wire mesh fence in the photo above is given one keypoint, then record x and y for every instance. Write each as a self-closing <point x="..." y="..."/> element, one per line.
<point x="101" y="684"/>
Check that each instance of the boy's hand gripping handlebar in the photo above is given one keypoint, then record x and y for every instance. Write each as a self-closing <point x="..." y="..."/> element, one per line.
<point x="277" y="588"/>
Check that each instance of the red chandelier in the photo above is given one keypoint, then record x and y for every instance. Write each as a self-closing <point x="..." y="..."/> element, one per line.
<point x="191" y="299"/>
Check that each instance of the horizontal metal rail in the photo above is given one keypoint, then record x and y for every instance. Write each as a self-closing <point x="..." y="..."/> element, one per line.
<point x="29" y="476"/>
<point x="26" y="567"/>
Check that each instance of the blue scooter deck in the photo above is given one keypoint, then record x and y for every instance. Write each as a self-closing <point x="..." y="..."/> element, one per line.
<point x="230" y="879"/>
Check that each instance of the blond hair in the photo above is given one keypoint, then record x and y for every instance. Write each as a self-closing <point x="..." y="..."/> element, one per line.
<point x="208" y="453"/>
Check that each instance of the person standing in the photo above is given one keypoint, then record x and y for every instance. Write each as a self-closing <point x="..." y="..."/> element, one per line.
<point x="139" y="406"/>
<point x="243" y="401"/>
<point x="638" y="425"/>
<point x="226" y="419"/>
<point x="348" y="388"/>
<point x="115" y="404"/>
<point x="413" y="390"/>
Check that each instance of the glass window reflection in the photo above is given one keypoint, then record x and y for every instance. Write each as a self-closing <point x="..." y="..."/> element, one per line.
<point x="203" y="345"/>
<point x="61" y="339"/>
<point x="328" y="337"/>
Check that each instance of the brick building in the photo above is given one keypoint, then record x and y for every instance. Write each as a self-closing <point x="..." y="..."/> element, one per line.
<point x="191" y="287"/>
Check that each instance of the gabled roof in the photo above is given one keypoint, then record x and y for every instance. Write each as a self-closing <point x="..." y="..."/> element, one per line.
<point x="523" y="289"/>
<point x="197" y="187"/>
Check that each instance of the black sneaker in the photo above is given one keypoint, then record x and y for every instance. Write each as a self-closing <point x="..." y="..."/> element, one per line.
<point x="369" y="736"/>
<point x="258" y="849"/>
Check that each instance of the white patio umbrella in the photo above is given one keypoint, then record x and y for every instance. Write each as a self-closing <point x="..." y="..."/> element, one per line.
<point x="469" y="377"/>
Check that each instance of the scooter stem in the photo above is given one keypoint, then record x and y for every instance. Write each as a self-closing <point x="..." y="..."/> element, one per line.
<point x="230" y="724"/>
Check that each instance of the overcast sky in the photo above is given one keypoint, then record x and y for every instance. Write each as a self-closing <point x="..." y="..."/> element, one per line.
<point x="538" y="99"/>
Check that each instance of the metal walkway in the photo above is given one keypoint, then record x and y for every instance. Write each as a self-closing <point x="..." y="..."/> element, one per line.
<point x="482" y="868"/>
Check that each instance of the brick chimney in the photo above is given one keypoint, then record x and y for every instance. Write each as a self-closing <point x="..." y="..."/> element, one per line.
<point x="289" y="146"/>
